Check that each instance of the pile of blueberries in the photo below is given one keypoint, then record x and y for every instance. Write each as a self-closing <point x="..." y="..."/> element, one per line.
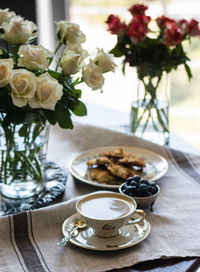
<point x="139" y="187"/>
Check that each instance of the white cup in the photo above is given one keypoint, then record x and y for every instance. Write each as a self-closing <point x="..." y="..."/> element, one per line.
<point x="107" y="212"/>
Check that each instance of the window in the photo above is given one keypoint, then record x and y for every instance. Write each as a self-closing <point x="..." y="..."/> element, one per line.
<point x="119" y="89"/>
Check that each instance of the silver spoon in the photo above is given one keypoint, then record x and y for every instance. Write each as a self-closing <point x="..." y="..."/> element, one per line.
<point x="78" y="224"/>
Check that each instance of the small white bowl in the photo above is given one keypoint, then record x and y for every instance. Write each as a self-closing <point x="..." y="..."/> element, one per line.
<point x="143" y="201"/>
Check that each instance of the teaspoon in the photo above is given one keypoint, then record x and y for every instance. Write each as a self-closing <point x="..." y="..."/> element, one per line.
<point x="79" y="224"/>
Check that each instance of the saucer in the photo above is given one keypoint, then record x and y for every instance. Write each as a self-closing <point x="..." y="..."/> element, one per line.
<point x="129" y="235"/>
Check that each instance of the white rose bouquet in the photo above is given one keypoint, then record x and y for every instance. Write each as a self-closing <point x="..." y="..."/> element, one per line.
<point x="32" y="93"/>
<point x="28" y="85"/>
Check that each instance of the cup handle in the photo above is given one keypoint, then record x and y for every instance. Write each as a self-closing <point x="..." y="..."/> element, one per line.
<point x="139" y="212"/>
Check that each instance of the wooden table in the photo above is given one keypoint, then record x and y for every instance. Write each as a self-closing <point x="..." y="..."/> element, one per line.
<point x="113" y="119"/>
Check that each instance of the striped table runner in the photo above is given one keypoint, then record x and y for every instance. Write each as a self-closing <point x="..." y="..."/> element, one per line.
<point x="28" y="240"/>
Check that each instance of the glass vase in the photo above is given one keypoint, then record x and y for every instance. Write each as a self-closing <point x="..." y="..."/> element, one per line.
<point x="149" y="116"/>
<point x="23" y="149"/>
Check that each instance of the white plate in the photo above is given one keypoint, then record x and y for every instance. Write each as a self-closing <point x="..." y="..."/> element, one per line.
<point x="156" y="165"/>
<point x="129" y="235"/>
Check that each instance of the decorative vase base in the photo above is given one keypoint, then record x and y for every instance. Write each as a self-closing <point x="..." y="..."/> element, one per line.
<point x="55" y="182"/>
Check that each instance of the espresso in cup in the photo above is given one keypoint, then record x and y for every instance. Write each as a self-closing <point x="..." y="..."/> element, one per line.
<point x="106" y="212"/>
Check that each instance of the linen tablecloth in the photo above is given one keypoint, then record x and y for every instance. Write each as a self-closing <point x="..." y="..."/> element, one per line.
<point x="28" y="240"/>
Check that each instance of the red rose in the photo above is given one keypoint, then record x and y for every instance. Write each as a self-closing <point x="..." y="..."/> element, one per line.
<point x="164" y="21"/>
<point x="115" y="26"/>
<point x="138" y="9"/>
<point x="173" y="35"/>
<point x="137" y="32"/>
<point x="141" y="19"/>
<point x="192" y="28"/>
<point x="182" y="22"/>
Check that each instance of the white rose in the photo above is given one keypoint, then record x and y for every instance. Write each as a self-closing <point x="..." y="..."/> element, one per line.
<point x="69" y="32"/>
<point x="77" y="48"/>
<point x="6" y="66"/>
<point x="49" y="91"/>
<point x="23" y="86"/>
<point x="105" y="61"/>
<point x="93" y="76"/>
<point x="5" y="15"/>
<point x="71" y="62"/>
<point x="34" y="57"/>
<point x="18" y="30"/>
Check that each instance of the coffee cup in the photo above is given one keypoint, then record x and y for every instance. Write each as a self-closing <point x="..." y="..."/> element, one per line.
<point x="107" y="212"/>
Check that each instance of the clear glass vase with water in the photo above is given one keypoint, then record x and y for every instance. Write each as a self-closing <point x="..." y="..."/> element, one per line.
<point x="23" y="149"/>
<point x="149" y="116"/>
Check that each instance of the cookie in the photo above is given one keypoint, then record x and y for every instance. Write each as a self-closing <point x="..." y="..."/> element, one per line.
<point x="118" y="153"/>
<point x="119" y="170"/>
<point x="99" y="161"/>
<point x="132" y="161"/>
<point x="101" y="175"/>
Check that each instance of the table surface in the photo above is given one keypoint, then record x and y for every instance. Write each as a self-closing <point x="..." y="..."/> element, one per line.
<point x="113" y="119"/>
<point x="116" y="120"/>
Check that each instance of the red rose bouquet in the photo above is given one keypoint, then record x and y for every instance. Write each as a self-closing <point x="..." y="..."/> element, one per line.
<point x="164" y="51"/>
<point x="153" y="53"/>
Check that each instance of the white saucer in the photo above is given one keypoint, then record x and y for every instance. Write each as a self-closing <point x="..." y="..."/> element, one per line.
<point x="129" y="235"/>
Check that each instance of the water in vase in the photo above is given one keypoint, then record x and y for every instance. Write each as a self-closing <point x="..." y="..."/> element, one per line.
<point x="149" y="120"/>
<point x="21" y="165"/>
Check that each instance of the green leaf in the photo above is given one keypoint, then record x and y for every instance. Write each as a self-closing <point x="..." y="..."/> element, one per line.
<point x="78" y="92"/>
<point x="51" y="116"/>
<point x="117" y="52"/>
<point x="63" y="116"/>
<point x="80" y="109"/>
<point x="188" y="71"/>
<point x="54" y="74"/>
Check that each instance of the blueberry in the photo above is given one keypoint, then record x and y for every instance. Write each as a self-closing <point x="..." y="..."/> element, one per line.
<point x="134" y="183"/>
<point x="144" y="181"/>
<point x="127" y="190"/>
<point x="153" y="189"/>
<point x="137" y="178"/>
<point x="143" y="188"/>
<point x="148" y="193"/>
<point x="128" y="180"/>
<point x="134" y="190"/>
<point x="139" y="193"/>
